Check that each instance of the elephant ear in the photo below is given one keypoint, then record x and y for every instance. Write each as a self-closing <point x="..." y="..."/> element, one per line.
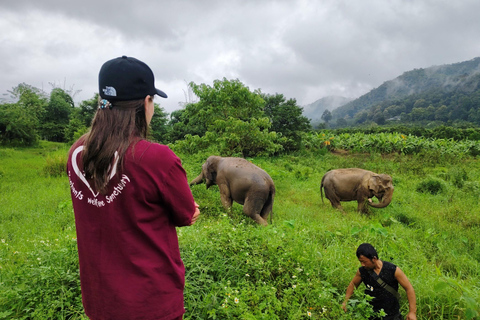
<point x="375" y="183"/>
<point x="210" y="170"/>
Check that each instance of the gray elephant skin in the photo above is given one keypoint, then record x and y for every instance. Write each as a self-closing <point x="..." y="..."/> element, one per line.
<point x="354" y="184"/>
<point x="241" y="181"/>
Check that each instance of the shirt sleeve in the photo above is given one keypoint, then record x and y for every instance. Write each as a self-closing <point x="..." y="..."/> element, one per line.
<point x="178" y="196"/>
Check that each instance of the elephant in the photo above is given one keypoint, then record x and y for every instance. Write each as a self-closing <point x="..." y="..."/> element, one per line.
<point x="357" y="184"/>
<point x="241" y="181"/>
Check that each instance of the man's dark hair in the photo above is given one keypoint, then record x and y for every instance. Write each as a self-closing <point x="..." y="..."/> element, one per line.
<point x="367" y="250"/>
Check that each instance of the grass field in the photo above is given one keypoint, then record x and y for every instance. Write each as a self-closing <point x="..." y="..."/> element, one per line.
<point x="298" y="267"/>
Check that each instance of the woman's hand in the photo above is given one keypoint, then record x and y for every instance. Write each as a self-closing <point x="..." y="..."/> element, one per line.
<point x="196" y="214"/>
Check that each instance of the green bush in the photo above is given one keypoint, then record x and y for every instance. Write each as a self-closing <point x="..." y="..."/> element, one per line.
<point x="458" y="176"/>
<point x="431" y="185"/>
<point x="55" y="165"/>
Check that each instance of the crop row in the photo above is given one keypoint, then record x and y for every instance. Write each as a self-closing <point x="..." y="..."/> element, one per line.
<point x="386" y="143"/>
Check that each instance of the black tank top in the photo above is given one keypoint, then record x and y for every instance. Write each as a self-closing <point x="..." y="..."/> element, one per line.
<point x="382" y="298"/>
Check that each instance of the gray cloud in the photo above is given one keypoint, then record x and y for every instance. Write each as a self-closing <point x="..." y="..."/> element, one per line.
<point x="303" y="49"/>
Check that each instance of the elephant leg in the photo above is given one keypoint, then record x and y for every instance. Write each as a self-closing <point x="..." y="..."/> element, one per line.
<point x="253" y="208"/>
<point x="333" y="198"/>
<point x="267" y="208"/>
<point x="226" y="197"/>
<point x="336" y="203"/>
<point x="361" y="205"/>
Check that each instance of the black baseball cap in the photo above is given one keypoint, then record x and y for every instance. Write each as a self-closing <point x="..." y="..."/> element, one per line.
<point x="126" y="78"/>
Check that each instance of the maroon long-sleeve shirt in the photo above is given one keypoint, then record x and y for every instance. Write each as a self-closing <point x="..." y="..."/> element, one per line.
<point x="130" y="265"/>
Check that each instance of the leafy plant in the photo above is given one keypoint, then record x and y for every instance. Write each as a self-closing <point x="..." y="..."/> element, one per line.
<point x="55" y="165"/>
<point x="467" y="297"/>
<point x="431" y="185"/>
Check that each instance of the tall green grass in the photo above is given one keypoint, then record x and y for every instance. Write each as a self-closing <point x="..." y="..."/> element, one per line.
<point x="298" y="267"/>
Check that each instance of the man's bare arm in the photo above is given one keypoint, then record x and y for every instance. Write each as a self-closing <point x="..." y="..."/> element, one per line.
<point x="357" y="279"/>
<point x="412" y="300"/>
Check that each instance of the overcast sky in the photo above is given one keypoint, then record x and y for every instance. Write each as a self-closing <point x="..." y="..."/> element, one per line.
<point x="303" y="49"/>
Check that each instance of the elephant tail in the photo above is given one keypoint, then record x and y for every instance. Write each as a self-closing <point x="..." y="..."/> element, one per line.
<point x="321" y="189"/>
<point x="268" y="206"/>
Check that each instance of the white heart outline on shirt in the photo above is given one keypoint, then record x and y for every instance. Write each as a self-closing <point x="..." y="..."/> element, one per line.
<point x="80" y="174"/>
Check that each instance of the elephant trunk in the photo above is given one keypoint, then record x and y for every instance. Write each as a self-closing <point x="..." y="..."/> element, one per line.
<point x="197" y="180"/>
<point x="384" y="201"/>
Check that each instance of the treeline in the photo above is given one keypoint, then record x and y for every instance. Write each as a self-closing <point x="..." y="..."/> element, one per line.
<point x="227" y="117"/>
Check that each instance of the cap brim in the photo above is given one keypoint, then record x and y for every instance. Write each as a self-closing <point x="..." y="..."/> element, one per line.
<point x="161" y="93"/>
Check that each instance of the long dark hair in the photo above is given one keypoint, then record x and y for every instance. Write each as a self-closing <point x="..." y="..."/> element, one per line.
<point x="114" y="128"/>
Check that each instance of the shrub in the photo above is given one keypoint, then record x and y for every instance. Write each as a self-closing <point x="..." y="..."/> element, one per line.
<point x="457" y="176"/>
<point x="55" y="165"/>
<point x="431" y="185"/>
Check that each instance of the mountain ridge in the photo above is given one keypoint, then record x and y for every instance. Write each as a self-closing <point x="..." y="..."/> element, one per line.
<point x="448" y="77"/>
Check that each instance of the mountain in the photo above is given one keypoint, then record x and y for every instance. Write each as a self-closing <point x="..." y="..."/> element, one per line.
<point x="444" y="80"/>
<point x="315" y="110"/>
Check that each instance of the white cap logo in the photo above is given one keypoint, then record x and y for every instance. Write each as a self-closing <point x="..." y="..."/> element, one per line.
<point x="110" y="91"/>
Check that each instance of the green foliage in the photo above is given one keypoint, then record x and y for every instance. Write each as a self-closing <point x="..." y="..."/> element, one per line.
<point x="80" y="119"/>
<point x="225" y="99"/>
<point x="48" y="285"/>
<point x="287" y="120"/>
<point x="431" y="185"/>
<point x="56" y="116"/>
<point x="158" y="125"/>
<point x="55" y="165"/>
<point x="20" y="121"/>
<point x="456" y="175"/>
<point x="431" y="151"/>
<point x="245" y="139"/>
<point x="74" y="130"/>
<point x="228" y="118"/>
<point x="441" y="94"/>
<point x="31" y="99"/>
<point x="17" y="127"/>
<point x="193" y="144"/>
<point x="236" y="269"/>
<point x="233" y="137"/>
<point x="326" y="116"/>
<point x="439" y="132"/>
<point x="471" y="305"/>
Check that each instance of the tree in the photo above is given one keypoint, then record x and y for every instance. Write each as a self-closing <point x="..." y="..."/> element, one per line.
<point x="55" y="119"/>
<point x="341" y="123"/>
<point x="182" y="123"/>
<point x="17" y="127"/>
<point x="20" y="121"/>
<point x="361" y="117"/>
<point x="227" y="98"/>
<point x="418" y="114"/>
<point x="379" y="118"/>
<point x="420" y="103"/>
<point x="158" y="125"/>
<point x="81" y="119"/>
<point x="86" y="110"/>
<point x="287" y="119"/>
<point x="224" y="114"/>
<point x="326" y="116"/>
<point x="31" y="99"/>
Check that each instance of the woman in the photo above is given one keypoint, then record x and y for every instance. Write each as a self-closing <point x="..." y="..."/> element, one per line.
<point x="128" y="196"/>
